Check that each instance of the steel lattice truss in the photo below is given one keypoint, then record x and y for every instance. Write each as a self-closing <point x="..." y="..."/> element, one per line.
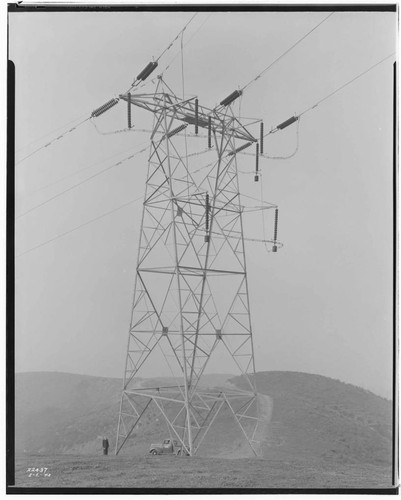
<point x="191" y="259"/>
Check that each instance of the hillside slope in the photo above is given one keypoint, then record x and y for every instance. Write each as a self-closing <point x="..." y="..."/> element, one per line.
<point x="311" y="417"/>
<point x="319" y="417"/>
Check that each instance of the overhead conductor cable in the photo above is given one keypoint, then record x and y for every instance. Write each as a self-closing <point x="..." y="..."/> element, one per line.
<point x="286" y="52"/>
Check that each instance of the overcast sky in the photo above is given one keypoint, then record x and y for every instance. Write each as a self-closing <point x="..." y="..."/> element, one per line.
<point x="323" y="303"/>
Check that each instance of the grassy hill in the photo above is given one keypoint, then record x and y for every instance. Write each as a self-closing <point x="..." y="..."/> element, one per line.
<point x="316" y="416"/>
<point x="313" y="418"/>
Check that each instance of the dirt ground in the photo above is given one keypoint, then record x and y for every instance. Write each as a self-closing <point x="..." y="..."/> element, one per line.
<point x="194" y="472"/>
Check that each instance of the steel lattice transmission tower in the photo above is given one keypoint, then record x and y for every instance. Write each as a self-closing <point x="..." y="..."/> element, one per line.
<point x="191" y="291"/>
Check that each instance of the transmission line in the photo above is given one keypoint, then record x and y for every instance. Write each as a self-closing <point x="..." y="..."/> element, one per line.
<point x="80" y="170"/>
<point x="87" y="118"/>
<point x="52" y="141"/>
<point x="187" y="43"/>
<point x="79" y="227"/>
<point x="345" y="85"/>
<point x="176" y="38"/>
<point x="80" y="183"/>
<point x="286" y="52"/>
<point x="297" y="117"/>
<point x="53" y="131"/>
<point x="151" y="66"/>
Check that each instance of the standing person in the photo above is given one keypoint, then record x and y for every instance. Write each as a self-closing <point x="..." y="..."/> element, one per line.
<point x="105" y="444"/>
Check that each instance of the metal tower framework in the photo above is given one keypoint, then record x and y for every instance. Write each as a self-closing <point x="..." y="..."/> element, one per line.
<point x="191" y="261"/>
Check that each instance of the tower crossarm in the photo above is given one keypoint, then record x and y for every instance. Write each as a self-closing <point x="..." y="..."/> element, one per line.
<point x="188" y="112"/>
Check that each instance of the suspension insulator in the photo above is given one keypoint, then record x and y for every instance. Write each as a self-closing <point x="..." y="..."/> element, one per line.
<point x="274" y="249"/>
<point x="207" y="212"/>
<point x="105" y="107"/>
<point x="229" y="99"/>
<point x="196" y="116"/>
<point x="244" y="146"/>
<point x="257" y="158"/>
<point x="275" y="224"/>
<point x="261" y="138"/>
<point x="257" y="164"/>
<point x="129" y="111"/>
<point x="287" y="123"/>
<point x="176" y="130"/>
<point x="147" y="70"/>
<point x="209" y="134"/>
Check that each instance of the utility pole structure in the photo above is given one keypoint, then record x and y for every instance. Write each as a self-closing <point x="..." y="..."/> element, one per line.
<point x="191" y="299"/>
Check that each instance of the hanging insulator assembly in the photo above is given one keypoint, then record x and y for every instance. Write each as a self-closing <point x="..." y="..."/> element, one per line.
<point x="244" y="146"/>
<point x="129" y="111"/>
<point x="175" y="131"/>
<point x="287" y="123"/>
<point x="147" y="70"/>
<point x="257" y="164"/>
<point x="274" y="249"/>
<point x="229" y="99"/>
<point x="196" y="116"/>
<point x="209" y="133"/>
<point x="261" y="138"/>
<point x="104" y="108"/>
<point x="207" y="208"/>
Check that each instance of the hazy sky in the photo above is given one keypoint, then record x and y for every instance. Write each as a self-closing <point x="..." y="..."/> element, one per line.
<point x="323" y="304"/>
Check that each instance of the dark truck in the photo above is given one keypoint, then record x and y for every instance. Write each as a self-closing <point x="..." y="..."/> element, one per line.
<point x="168" y="447"/>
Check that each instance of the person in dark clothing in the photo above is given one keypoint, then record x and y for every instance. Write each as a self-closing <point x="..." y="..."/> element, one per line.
<point x="105" y="445"/>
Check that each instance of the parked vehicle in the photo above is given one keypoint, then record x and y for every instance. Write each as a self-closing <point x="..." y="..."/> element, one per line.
<point x="168" y="447"/>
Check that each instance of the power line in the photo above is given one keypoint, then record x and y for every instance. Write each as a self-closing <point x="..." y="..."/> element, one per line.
<point x="81" y="170"/>
<point x="62" y="127"/>
<point x="276" y="129"/>
<point x="176" y="38"/>
<point x="52" y="141"/>
<point x="187" y="43"/>
<point x="80" y="183"/>
<point x="79" y="124"/>
<point x="136" y="81"/>
<point x="79" y="227"/>
<point x="286" y="52"/>
<point x="345" y="85"/>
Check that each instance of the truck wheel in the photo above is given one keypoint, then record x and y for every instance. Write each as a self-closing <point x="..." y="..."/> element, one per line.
<point x="153" y="452"/>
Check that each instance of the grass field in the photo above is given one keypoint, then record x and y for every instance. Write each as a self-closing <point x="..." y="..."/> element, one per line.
<point x="196" y="472"/>
<point x="318" y="433"/>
